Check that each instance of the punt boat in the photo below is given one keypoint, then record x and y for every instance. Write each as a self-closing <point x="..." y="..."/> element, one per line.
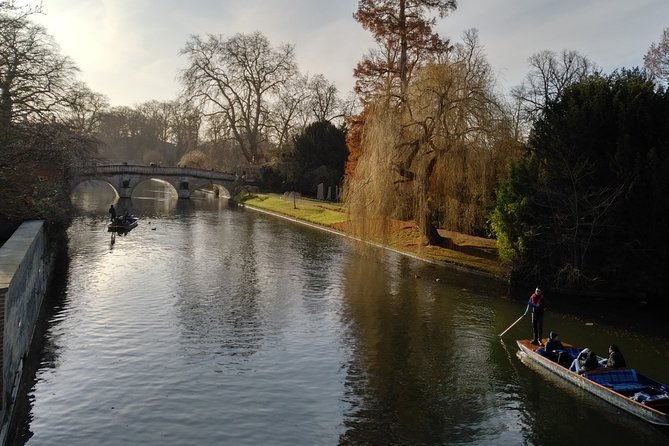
<point x="123" y="224"/>
<point x="623" y="387"/>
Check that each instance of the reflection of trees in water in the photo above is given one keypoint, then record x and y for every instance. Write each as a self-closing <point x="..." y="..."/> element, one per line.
<point x="217" y="304"/>
<point x="318" y="258"/>
<point x="427" y="367"/>
<point x="418" y="373"/>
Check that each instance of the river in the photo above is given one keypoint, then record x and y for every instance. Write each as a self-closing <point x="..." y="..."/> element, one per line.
<point x="211" y="325"/>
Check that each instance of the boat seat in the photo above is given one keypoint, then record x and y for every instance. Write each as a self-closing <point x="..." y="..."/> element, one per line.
<point x="619" y="380"/>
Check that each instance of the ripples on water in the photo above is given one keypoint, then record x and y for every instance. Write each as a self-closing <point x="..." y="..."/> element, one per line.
<point x="207" y="325"/>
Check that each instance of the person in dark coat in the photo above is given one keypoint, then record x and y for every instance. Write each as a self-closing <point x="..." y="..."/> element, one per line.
<point x="553" y="346"/>
<point x="536" y="305"/>
<point x="112" y="212"/>
<point x="616" y="358"/>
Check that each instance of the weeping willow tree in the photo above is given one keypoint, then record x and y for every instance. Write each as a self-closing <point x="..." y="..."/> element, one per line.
<point x="434" y="154"/>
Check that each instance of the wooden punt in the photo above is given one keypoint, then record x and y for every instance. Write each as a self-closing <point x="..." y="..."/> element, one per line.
<point x="121" y="224"/>
<point x="622" y="387"/>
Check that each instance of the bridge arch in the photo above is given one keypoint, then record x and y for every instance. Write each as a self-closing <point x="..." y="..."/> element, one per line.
<point x="100" y="181"/>
<point x="124" y="178"/>
<point x="160" y="180"/>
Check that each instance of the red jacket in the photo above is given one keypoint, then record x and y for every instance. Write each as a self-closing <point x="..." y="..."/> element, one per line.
<point x="536" y="302"/>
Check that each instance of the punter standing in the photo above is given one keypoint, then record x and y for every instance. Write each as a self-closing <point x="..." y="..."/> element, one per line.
<point x="536" y="305"/>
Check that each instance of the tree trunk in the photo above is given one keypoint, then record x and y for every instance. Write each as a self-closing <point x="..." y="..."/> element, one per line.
<point x="403" y="48"/>
<point x="432" y="236"/>
<point x="5" y="108"/>
<point x="426" y="226"/>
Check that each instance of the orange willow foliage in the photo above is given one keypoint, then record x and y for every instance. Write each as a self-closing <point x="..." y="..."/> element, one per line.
<point x="355" y="125"/>
<point x="436" y="156"/>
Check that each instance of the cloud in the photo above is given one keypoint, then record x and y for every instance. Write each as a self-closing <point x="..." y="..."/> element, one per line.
<point x="612" y="33"/>
<point x="128" y="49"/>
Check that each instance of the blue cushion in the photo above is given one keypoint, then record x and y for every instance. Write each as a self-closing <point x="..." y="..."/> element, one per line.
<point x="620" y="380"/>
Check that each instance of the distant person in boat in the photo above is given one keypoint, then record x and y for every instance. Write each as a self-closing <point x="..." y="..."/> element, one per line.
<point x="615" y="357"/>
<point x="112" y="212"/>
<point x="536" y="305"/>
<point x="553" y="346"/>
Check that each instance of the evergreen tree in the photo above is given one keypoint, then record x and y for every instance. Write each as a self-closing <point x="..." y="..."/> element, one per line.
<point x="582" y="210"/>
<point x="319" y="157"/>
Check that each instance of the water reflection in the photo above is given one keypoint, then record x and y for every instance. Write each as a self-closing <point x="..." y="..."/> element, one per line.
<point x="211" y="325"/>
<point x="150" y="198"/>
<point x="428" y="367"/>
<point x="217" y="289"/>
<point x="419" y="373"/>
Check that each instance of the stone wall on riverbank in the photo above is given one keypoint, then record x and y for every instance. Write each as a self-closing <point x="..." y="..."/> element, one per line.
<point x="24" y="274"/>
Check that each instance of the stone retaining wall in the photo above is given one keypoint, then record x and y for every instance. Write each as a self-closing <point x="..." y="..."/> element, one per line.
<point x="24" y="275"/>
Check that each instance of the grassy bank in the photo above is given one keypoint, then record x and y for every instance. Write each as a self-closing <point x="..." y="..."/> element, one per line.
<point x="474" y="253"/>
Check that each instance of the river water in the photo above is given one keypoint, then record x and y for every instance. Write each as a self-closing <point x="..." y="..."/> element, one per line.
<point x="208" y="325"/>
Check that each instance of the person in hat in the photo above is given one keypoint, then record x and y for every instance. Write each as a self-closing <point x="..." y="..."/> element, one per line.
<point x="553" y="346"/>
<point x="536" y="305"/>
<point x="554" y="342"/>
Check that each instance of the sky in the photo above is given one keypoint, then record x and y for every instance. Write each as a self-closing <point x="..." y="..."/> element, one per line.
<point x="128" y="50"/>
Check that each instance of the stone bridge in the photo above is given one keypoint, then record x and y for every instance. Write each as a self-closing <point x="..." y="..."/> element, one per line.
<point x="124" y="178"/>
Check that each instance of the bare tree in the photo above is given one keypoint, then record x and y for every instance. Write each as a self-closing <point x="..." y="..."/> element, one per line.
<point x="84" y="108"/>
<point x="323" y="100"/>
<point x="549" y="75"/>
<point x="159" y="120"/>
<point x="218" y="143"/>
<point x="238" y="77"/>
<point x="34" y="76"/>
<point x="656" y="59"/>
<point x="290" y="112"/>
<point x="185" y="124"/>
<point x="216" y="129"/>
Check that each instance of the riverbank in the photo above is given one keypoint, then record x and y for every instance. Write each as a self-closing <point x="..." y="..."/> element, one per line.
<point x="475" y="254"/>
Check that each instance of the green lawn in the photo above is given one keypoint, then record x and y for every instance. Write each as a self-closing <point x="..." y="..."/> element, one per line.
<point x="317" y="212"/>
<point x="471" y="252"/>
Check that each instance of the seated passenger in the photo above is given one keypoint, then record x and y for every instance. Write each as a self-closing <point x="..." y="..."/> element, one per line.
<point x="554" y="342"/>
<point x="579" y="361"/>
<point x="552" y="345"/>
<point x="615" y="357"/>
<point x="564" y="358"/>
<point x="586" y="360"/>
<point x="590" y="362"/>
